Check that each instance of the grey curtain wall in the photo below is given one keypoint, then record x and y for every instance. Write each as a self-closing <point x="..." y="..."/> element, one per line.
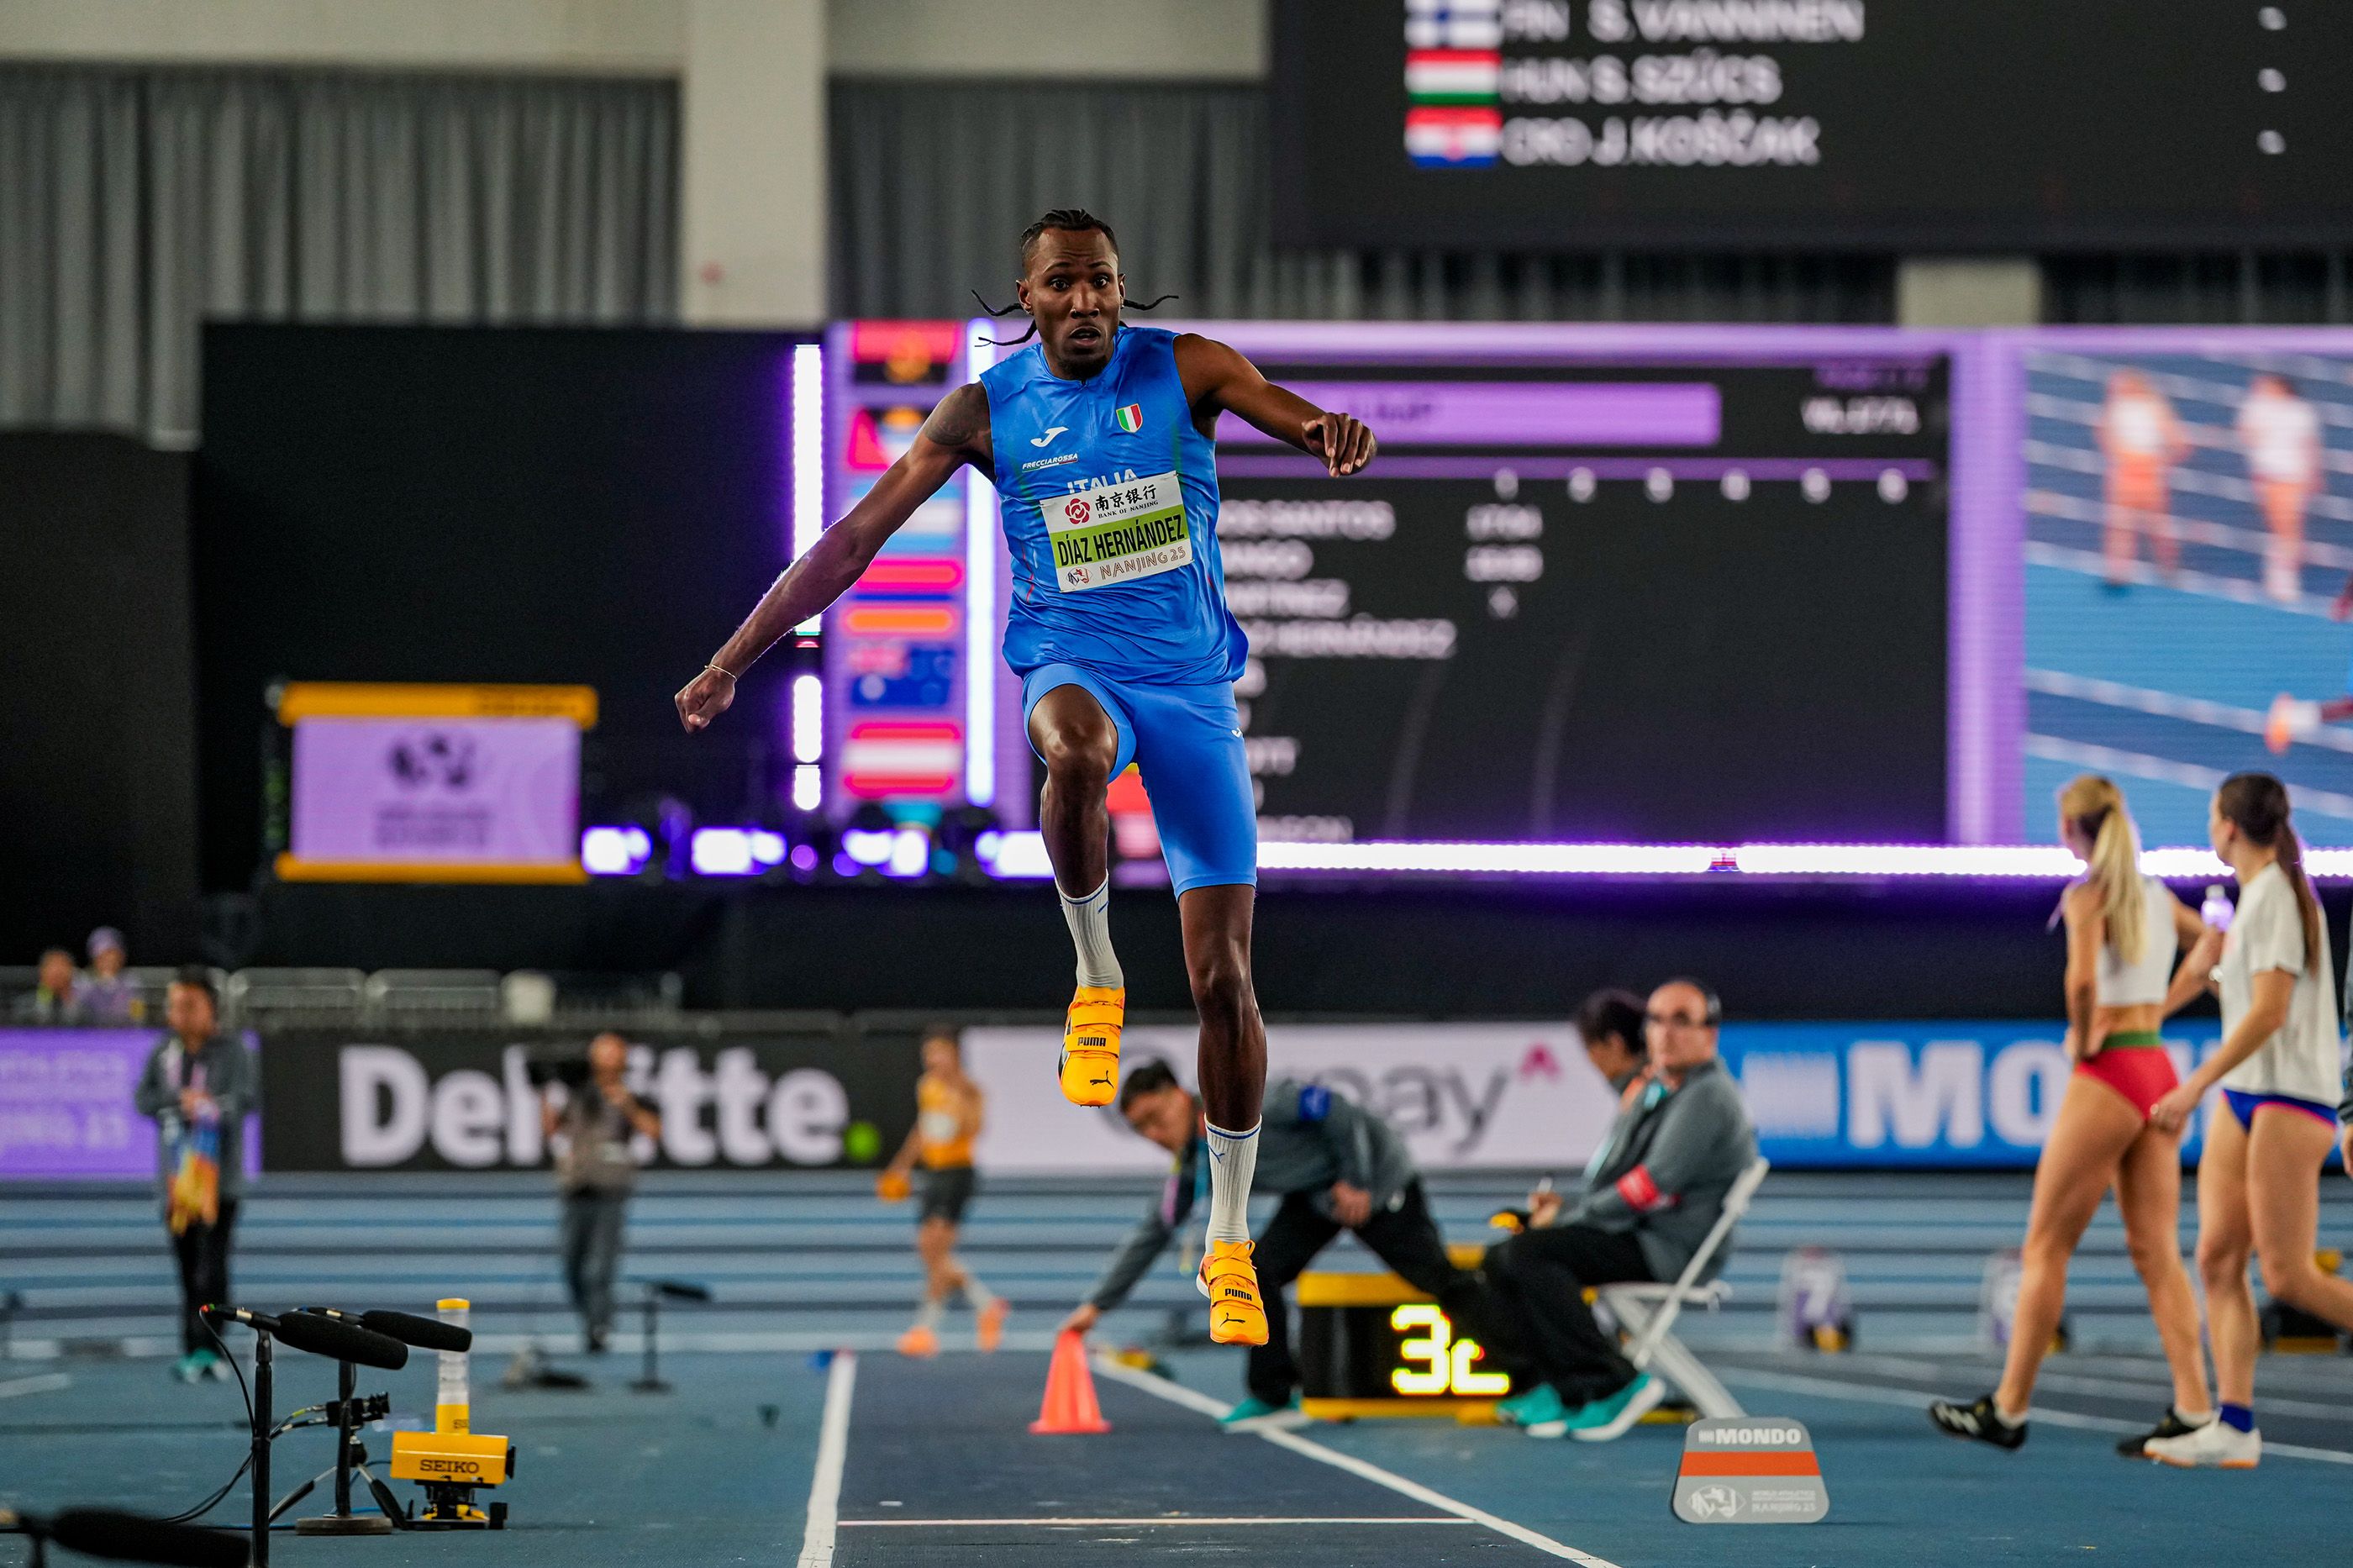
<point x="933" y="181"/>
<point x="2246" y="287"/>
<point x="135" y="203"/>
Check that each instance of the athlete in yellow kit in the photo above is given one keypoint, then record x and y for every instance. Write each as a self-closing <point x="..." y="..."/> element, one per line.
<point x="948" y="1108"/>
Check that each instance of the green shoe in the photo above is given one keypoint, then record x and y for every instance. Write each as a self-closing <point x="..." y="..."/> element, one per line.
<point x="1253" y="1412"/>
<point x="191" y="1367"/>
<point x="1612" y="1416"/>
<point x="1530" y="1406"/>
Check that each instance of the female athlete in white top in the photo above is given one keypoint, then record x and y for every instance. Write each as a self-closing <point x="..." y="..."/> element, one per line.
<point x="2281" y="434"/>
<point x="2258" y="1181"/>
<point x="2123" y="932"/>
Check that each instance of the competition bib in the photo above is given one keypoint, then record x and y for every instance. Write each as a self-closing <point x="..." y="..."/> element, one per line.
<point x="1118" y="532"/>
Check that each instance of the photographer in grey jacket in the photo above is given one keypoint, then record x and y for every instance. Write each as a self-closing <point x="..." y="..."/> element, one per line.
<point x="590" y="1128"/>
<point x="1652" y="1193"/>
<point x="1338" y="1167"/>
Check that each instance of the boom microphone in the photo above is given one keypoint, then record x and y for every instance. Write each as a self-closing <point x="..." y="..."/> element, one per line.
<point x="341" y="1341"/>
<point x="425" y="1333"/>
<point x="260" y="1322"/>
<point x="133" y="1538"/>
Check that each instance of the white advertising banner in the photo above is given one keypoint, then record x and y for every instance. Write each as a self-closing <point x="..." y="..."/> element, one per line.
<point x="1464" y="1096"/>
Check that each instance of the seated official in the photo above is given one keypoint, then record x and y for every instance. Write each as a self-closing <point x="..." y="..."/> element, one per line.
<point x="1610" y="1026"/>
<point x="1653" y="1191"/>
<point x="1338" y="1167"/>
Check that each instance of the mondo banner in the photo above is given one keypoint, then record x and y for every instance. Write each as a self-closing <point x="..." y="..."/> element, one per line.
<point x="756" y="1100"/>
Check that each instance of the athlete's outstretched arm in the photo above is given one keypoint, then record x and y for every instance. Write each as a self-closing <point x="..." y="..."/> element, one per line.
<point x="1218" y="379"/>
<point x="958" y="432"/>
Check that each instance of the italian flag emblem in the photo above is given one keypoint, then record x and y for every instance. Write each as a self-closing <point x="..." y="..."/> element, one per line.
<point x="1129" y="418"/>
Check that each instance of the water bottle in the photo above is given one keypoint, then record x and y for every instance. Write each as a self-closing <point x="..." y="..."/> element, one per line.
<point x="2216" y="909"/>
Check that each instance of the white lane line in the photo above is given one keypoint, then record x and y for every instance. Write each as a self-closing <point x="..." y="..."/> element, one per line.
<point x="832" y="1449"/>
<point x="2191" y="529"/>
<point x="1918" y="1398"/>
<point x="1160" y="1387"/>
<point x="2169" y="705"/>
<point x="1186" y="1520"/>
<point x="2164" y="770"/>
<point x="2126" y="1380"/>
<point x="40" y="1382"/>
<point x="2198" y="584"/>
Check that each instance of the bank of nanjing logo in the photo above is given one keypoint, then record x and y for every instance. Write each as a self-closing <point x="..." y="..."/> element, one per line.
<point x="1453" y="80"/>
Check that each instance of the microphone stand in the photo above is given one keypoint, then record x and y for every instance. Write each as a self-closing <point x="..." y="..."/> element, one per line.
<point x="262" y="1395"/>
<point x="350" y="1454"/>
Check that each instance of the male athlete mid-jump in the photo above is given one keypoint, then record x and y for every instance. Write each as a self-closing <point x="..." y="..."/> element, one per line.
<point x="1100" y="438"/>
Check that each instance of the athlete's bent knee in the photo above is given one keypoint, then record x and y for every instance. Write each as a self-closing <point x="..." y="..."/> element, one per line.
<point x="1080" y="758"/>
<point x="2220" y="1266"/>
<point x="2288" y="1279"/>
<point x="2152" y="1255"/>
<point x="1221" y="980"/>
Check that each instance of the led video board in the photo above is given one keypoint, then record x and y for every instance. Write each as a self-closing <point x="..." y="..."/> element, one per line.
<point x="1912" y="123"/>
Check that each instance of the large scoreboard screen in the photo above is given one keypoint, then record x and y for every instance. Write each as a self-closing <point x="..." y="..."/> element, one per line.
<point x="1652" y="584"/>
<point x="1660" y="587"/>
<point x="1926" y="123"/>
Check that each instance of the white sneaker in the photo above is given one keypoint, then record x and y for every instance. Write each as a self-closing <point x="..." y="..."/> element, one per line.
<point x="2215" y="1446"/>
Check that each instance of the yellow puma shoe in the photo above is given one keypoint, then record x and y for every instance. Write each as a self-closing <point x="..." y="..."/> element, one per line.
<point x="1090" y="1044"/>
<point x="1237" y="1316"/>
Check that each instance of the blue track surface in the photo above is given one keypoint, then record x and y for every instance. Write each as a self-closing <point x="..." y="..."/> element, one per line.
<point x="2208" y="638"/>
<point x="699" y="1476"/>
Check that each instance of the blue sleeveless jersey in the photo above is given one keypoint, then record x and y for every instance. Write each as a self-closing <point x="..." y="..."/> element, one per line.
<point x="1109" y="498"/>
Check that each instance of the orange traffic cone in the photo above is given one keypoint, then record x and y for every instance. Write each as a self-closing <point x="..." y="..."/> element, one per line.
<point x="1070" y="1404"/>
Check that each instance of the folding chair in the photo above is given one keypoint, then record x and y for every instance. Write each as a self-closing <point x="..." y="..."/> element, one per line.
<point x="1649" y="1311"/>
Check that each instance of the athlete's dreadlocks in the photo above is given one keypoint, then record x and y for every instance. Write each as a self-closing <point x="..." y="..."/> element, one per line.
<point x="1072" y="220"/>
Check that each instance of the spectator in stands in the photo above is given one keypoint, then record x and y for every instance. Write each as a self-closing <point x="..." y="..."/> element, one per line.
<point x="110" y="996"/>
<point x="58" y="999"/>
<point x="198" y="1086"/>
<point x="1336" y="1167"/>
<point x="1652" y="1195"/>
<point x="589" y="1126"/>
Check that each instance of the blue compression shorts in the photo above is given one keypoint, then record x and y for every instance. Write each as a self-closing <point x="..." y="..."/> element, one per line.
<point x="1186" y="740"/>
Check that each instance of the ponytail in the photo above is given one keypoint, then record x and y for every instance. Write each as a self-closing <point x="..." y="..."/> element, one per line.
<point x="2257" y="805"/>
<point x="2307" y="902"/>
<point x="2096" y="808"/>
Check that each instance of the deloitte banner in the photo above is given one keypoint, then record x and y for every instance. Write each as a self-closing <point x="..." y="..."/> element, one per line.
<point x="449" y="1103"/>
<point x="1464" y="1096"/>
<point x="1468" y="1097"/>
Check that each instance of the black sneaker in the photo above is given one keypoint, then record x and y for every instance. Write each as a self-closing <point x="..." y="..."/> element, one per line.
<point x="1978" y="1421"/>
<point x="2173" y="1426"/>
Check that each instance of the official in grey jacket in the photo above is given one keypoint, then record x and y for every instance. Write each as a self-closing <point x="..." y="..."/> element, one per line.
<point x="1338" y="1167"/>
<point x="1652" y="1194"/>
<point x="194" y="1076"/>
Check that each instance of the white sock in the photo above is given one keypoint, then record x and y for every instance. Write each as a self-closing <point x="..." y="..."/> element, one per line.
<point x="2006" y="1418"/>
<point x="2194" y="1417"/>
<point x="1233" y="1161"/>
<point x="1089" y="919"/>
<point x="977" y="1295"/>
<point x="928" y="1315"/>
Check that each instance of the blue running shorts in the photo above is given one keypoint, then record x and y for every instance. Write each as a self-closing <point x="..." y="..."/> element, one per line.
<point x="1186" y="740"/>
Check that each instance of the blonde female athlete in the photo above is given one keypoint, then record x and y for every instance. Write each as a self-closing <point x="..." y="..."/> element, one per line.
<point x="2123" y="932"/>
